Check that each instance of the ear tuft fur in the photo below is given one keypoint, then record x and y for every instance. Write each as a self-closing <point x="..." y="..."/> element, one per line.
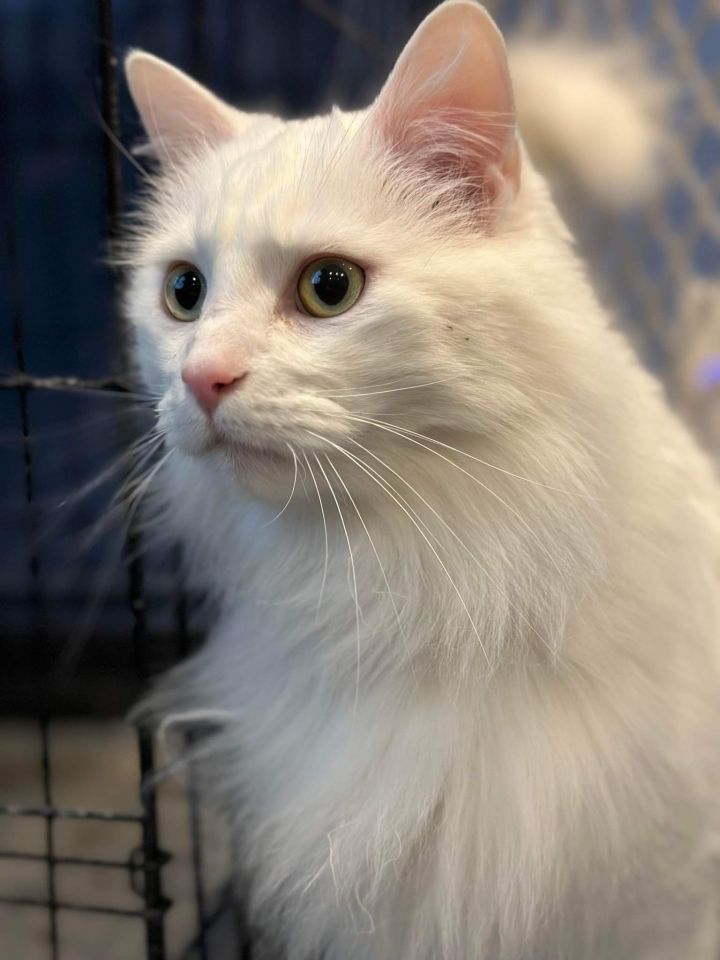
<point x="448" y="103"/>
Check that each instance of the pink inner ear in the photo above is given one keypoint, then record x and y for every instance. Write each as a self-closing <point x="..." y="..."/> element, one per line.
<point x="448" y="102"/>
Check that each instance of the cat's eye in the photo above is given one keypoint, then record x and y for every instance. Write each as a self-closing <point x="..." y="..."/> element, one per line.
<point x="329" y="286"/>
<point x="184" y="291"/>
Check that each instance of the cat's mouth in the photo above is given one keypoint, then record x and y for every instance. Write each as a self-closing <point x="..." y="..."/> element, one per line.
<point x="241" y="449"/>
<point x="244" y="452"/>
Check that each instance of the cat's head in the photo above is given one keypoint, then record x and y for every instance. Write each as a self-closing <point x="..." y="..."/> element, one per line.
<point x="292" y="282"/>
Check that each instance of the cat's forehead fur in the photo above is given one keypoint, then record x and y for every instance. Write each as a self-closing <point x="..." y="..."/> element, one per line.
<point x="285" y="186"/>
<point x="301" y="187"/>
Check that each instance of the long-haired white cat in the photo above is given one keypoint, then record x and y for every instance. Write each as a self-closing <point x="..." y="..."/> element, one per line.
<point x="464" y="558"/>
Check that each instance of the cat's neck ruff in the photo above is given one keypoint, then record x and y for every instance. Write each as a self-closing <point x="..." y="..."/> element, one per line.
<point x="450" y="571"/>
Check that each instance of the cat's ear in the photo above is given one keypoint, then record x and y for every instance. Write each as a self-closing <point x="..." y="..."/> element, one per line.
<point x="448" y="102"/>
<point x="178" y="113"/>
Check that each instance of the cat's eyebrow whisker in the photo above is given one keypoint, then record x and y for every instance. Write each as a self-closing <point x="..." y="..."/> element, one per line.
<point x="294" y="484"/>
<point x="391" y="595"/>
<point x="409" y="511"/>
<point x="325" y="531"/>
<point x="516" y="476"/>
<point x="358" y="613"/>
<point x="373" y="393"/>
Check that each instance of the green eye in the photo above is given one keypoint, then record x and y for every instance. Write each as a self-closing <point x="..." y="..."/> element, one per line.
<point x="184" y="291"/>
<point x="330" y="286"/>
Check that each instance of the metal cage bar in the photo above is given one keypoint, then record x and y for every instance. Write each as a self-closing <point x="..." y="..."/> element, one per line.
<point x="156" y="904"/>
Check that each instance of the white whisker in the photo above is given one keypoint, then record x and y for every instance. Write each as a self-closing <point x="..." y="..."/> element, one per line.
<point x="354" y="582"/>
<point x="460" y="541"/>
<point x="325" y="531"/>
<point x="69" y="504"/>
<point x="294" y="484"/>
<point x="124" y="505"/>
<point x="485" y="463"/>
<point x="380" y="563"/>
<point x="113" y="467"/>
<point x="374" y="393"/>
<point x="523" y="522"/>
<point x="139" y="492"/>
<point x="384" y="485"/>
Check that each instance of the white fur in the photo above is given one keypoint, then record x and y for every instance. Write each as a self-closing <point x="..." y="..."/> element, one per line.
<point x="471" y="697"/>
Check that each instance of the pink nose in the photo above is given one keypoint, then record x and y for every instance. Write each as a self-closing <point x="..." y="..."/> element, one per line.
<point x="210" y="381"/>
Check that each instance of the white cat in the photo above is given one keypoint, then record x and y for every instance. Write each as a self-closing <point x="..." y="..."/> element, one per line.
<point x="465" y="559"/>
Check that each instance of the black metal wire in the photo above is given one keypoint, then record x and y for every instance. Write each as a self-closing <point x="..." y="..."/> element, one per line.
<point x="49" y="838"/>
<point x="23" y="381"/>
<point x="198" y="945"/>
<point x="22" y="395"/>
<point x="156" y="904"/>
<point x="196" y="852"/>
<point x="68" y="861"/>
<point x="150" y="916"/>
<point x="111" y="116"/>
<point x="184" y="648"/>
<point x="58" y="813"/>
<point x="36" y="597"/>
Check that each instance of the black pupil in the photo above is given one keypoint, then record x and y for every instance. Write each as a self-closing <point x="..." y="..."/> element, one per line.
<point x="187" y="287"/>
<point x="331" y="283"/>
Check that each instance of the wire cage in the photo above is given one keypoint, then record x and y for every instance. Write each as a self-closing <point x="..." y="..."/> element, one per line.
<point x="81" y="633"/>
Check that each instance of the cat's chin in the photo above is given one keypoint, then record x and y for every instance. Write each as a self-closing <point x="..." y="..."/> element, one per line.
<point x="265" y="472"/>
<point x="243" y="457"/>
<point x="240" y="454"/>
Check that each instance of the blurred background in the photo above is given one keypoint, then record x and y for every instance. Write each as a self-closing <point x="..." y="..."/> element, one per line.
<point x="89" y="862"/>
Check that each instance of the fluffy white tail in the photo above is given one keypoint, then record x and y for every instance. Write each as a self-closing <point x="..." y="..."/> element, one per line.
<point x="592" y="114"/>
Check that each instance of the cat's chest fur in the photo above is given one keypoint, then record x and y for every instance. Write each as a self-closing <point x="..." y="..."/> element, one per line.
<point x="385" y="806"/>
<point x="421" y="823"/>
